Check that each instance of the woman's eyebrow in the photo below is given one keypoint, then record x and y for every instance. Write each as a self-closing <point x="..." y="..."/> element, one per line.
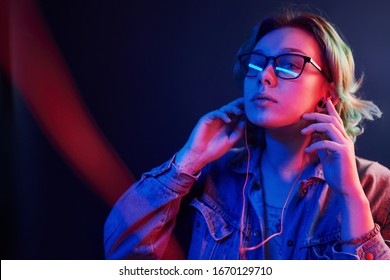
<point x="282" y="51"/>
<point x="293" y="50"/>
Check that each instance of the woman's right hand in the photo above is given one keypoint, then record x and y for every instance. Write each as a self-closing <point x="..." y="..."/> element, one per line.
<point x="214" y="134"/>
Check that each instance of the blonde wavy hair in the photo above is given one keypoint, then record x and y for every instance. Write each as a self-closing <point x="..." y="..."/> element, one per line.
<point x="338" y="58"/>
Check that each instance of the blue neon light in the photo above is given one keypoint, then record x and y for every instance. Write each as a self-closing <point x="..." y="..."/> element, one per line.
<point x="286" y="71"/>
<point x="255" y="67"/>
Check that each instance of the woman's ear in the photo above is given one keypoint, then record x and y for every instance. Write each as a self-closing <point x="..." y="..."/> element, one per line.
<point x="332" y="94"/>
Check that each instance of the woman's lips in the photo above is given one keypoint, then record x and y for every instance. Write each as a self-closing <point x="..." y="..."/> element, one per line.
<point x="263" y="99"/>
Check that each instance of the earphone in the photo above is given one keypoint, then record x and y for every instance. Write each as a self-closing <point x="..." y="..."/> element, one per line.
<point x="242" y="249"/>
<point x="320" y="108"/>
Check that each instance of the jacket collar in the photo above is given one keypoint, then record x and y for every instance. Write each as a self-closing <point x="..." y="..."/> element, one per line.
<point x="239" y="162"/>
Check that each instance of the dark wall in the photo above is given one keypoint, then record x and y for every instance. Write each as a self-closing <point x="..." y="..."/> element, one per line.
<point x="147" y="71"/>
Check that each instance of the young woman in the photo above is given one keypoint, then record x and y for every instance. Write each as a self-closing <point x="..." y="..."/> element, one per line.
<point x="295" y="190"/>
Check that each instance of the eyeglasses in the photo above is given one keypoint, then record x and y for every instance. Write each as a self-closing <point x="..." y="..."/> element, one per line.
<point x="287" y="66"/>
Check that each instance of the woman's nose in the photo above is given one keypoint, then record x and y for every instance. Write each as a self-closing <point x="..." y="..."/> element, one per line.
<point x="268" y="77"/>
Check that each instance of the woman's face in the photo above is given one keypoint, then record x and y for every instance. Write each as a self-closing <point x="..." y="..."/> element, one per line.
<point x="272" y="102"/>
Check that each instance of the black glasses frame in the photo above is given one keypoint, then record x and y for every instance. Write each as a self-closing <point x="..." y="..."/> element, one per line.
<point x="306" y="59"/>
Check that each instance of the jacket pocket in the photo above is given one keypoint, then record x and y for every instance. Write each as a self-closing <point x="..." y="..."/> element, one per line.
<point x="320" y="247"/>
<point x="211" y="234"/>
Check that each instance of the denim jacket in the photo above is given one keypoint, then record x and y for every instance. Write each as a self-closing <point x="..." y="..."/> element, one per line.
<point x="167" y="211"/>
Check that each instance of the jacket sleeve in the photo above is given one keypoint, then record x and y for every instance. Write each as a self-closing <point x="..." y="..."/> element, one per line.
<point x="376" y="184"/>
<point x="374" y="249"/>
<point x="140" y="224"/>
<point x="375" y="180"/>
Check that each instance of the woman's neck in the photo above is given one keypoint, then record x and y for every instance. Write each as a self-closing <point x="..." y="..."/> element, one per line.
<point x="285" y="152"/>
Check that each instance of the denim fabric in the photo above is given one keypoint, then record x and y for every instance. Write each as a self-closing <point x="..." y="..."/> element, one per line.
<point x="203" y="215"/>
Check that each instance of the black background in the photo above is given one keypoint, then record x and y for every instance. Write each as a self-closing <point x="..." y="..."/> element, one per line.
<point x="147" y="70"/>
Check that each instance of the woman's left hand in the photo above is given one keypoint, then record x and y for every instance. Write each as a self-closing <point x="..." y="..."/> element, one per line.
<point x="337" y="154"/>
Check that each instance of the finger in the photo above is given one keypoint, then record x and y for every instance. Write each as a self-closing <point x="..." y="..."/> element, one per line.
<point x="238" y="102"/>
<point x="231" y="110"/>
<point x="218" y="114"/>
<point x="237" y="132"/>
<point x="320" y="117"/>
<point x="227" y="112"/>
<point x="236" y="106"/>
<point x="332" y="110"/>
<point x="333" y="133"/>
<point x="325" y="145"/>
<point x="325" y="118"/>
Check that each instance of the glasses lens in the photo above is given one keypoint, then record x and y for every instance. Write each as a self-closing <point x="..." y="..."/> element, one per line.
<point x="252" y="64"/>
<point x="289" y="66"/>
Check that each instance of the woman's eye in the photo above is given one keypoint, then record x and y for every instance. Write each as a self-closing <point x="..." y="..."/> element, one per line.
<point x="290" y="66"/>
<point x="255" y="62"/>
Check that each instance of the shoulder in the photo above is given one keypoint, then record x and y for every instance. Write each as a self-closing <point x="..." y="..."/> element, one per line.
<point x="236" y="160"/>
<point x="372" y="169"/>
<point x="375" y="180"/>
<point x="228" y="171"/>
<point x="224" y="168"/>
<point x="229" y="161"/>
<point x="233" y="156"/>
